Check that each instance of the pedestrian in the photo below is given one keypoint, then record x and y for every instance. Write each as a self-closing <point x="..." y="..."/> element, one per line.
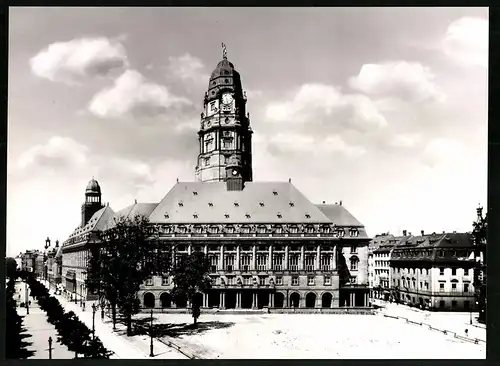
<point x="466" y="332"/>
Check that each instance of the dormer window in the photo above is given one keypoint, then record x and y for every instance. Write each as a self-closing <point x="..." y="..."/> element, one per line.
<point x="195" y="193"/>
<point x="181" y="204"/>
<point x="236" y="204"/>
<point x="226" y="216"/>
<point x="261" y="204"/>
<point x="247" y="216"/>
<point x="195" y="216"/>
<point x="308" y="216"/>
<point x="292" y="204"/>
<point x="210" y="204"/>
<point x="275" y="193"/>
<point x="279" y="215"/>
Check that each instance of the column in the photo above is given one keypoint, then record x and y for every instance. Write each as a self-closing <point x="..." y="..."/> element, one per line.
<point x="318" y="257"/>
<point x="286" y="258"/>
<point x="353" y="298"/>
<point x="302" y="257"/>
<point x="190" y="249"/>
<point x="238" y="300"/>
<point x="188" y="304"/>
<point x="270" y="302"/>
<point x="221" y="259"/>
<point x="270" y="261"/>
<point x="205" y="249"/>
<point x="205" y="300"/>
<point x="366" y="299"/>
<point x="221" y="300"/>
<point x="254" y="300"/>
<point x="237" y="264"/>
<point x="254" y="258"/>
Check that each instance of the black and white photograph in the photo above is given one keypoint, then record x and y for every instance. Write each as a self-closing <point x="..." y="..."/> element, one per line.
<point x="247" y="183"/>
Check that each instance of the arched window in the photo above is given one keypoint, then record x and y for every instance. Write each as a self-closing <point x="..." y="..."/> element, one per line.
<point x="354" y="263"/>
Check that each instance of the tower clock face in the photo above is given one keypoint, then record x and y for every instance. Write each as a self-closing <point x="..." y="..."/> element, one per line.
<point x="235" y="172"/>
<point x="227" y="98"/>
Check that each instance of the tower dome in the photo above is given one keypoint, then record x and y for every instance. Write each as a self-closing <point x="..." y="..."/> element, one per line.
<point x="93" y="187"/>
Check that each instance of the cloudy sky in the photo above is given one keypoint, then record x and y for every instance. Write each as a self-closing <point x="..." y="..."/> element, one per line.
<point x="384" y="109"/>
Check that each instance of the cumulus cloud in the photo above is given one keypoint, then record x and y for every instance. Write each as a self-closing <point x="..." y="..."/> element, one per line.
<point x="58" y="153"/>
<point x="405" y="80"/>
<point x="405" y="140"/>
<point x="314" y="102"/>
<point x="78" y="59"/>
<point x="133" y="94"/>
<point x="442" y="152"/>
<point x="188" y="68"/>
<point x="292" y="142"/>
<point x="129" y="172"/>
<point x="466" y="41"/>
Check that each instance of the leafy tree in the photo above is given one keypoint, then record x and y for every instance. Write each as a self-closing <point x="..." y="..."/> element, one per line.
<point x="190" y="277"/>
<point x="10" y="268"/>
<point x="127" y="256"/>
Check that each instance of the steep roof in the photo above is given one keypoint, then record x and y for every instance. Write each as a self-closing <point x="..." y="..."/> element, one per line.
<point x="211" y="202"/>
<point x="131" y="211"/>
<point x="96" y="222"/>
<point x="339" y="215"/>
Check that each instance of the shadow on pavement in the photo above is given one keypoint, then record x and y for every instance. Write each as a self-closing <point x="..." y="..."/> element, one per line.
<point x="142" y="327"/>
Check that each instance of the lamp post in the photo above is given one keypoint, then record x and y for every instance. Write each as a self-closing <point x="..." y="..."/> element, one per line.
<point x="151" y="354"/>
<point x="94" y="309"/>
<point x="45" y="269"/>
<point x="50" y="348"/>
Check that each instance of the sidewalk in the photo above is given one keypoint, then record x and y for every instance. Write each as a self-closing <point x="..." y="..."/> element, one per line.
<point x="450" y="321"/>
<point x="135" y="347"/>
<point x="40" y="330"/>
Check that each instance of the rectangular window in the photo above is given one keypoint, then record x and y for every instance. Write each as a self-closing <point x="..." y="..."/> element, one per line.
<point x="466" y="272"/>
<point x="230" y="280"/>
<point x="426" y="285"/>
<point x="327" y="281"/>
<point x="354" y="249"/>
<point x="279" y="280"/>
<point x="466" y="287"/>
<point x="310" y="280"/>
<point x="293" y="262"/>
<point x="441" y="271"/>
<point x="454" y="303"/>
<point x="164" y="281"/>
<point x="441" y="303"/>
<point x="214" y="262"/>
<point x="295" y="280"/>
<point x="354" y="280"/>
<point x="229" y="260"/>
<point x="149" y="282"/>
<point x="261" y="262"/>
<point x="245" y="260"/>
<point x="453" y="271"/>
<point x="441" y="287"/>
<point x="226" y="144"/>
<point x="247" y="280"/>
<point x="467" y="304"/>
<point x="309" y="262"/>
<point x="453" y="287"/>
<point x="278" y="259"/>
<point x="354" y="264"/>
<point x="262" y="281"/>
<point x="206" y="161"/>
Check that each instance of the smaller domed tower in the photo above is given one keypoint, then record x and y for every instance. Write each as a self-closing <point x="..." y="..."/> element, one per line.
<point x="92" y="202"/>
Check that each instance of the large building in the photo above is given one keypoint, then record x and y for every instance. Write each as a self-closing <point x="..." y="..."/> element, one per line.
<point x="268" y="245"/>
<point x="435" y="271"/>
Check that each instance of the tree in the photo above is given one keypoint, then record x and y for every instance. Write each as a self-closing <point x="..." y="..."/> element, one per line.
<point x="127" y="255"/>
<point x="11" y="268"/>
<point x="190" y="277"/>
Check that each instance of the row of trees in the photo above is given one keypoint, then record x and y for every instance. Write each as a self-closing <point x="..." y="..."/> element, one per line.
<point x="15" y="332"/>
<point x="127" y="254"/>
<point x="73" y="333"/>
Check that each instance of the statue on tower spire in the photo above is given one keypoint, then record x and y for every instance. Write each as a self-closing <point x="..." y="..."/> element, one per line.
<point x="224" y="51"/>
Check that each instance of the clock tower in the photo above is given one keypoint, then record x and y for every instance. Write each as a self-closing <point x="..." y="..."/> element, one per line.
<point x="225" y="136"/>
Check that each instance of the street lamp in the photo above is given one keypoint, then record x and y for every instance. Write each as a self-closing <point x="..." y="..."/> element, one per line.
<point x="45" y="269"/>
<point x="151" y="354"/>
<point x="94" y="309"/>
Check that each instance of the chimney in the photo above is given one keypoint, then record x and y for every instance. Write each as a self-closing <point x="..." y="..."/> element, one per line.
<point x="422" y="232"/>
<point x="135" y="201"/>
<point x="404" y="232"/>
<point x="340" y="202"/>
<point x="324" y="202"/>
<point x="289" y="180"/>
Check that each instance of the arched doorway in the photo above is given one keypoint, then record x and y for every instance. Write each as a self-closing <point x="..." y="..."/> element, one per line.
<point x="246" y="299"/>
<point x="279" y="300"/>
<point x="166" y="300"/>
<point x="294" y="300"/>
<point x="149" y="300"/>
<point x="262" y="299"/>
<point x="311" y="300"/>
<point x="326" y="300"/>
<point x="198" y="299"/>
<point x="181" y="301"/>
